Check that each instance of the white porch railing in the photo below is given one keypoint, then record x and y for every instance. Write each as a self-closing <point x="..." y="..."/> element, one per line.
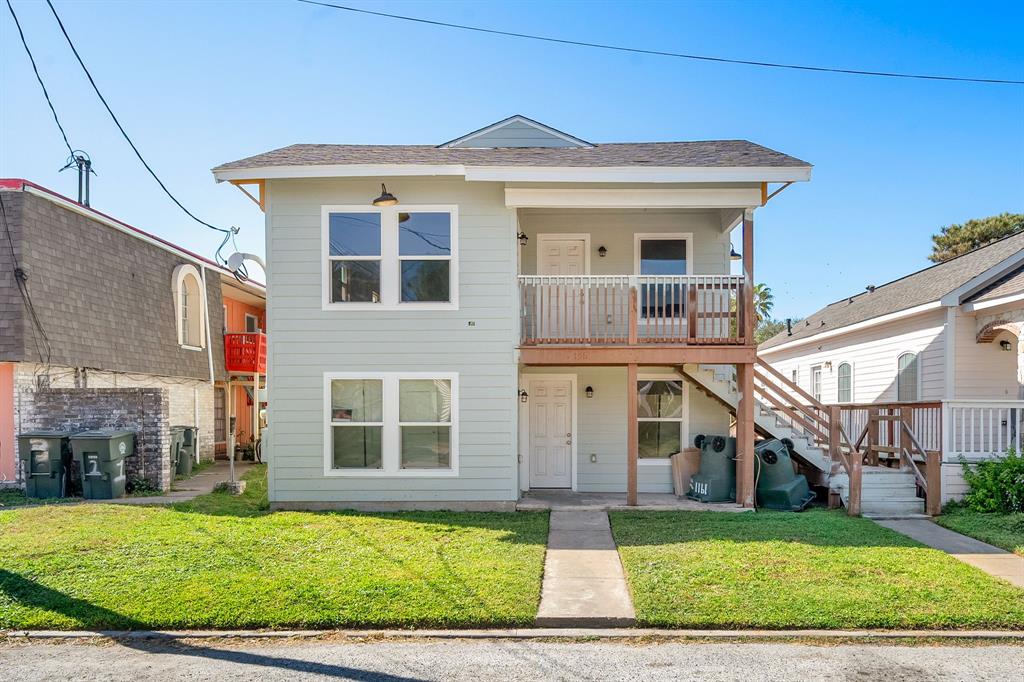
<point x="622" y="309"/>
<point x="979" y="429"/>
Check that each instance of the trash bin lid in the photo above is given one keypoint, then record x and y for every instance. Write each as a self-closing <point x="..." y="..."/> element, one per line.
<point x="46" y="433"/>
<point x="103" y="434"/>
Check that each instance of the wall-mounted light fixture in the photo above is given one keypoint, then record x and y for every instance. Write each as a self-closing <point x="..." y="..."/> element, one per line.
<point x="523" y="396"/>
<point x="589" y="390"/>
<point x="522" y="238"/>
<point x="386" y="198"/>
<point x="1005" y="345"/>
<point x="733" y="255"/>
<point x="828" y="365"/>
<point x="602" y="251"/>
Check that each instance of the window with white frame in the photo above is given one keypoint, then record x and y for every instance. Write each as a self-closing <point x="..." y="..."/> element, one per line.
<point x="658" y="255"/>
<point x="252" y="323"/>
<point x="795" y="376"/>
<point x="660" y="429"/>
<point x="190" y="307"/>
<point x="816" y="382"/>
<point x="391" y="424"/>
<point x="844" y="382"/>
<point x="390" y="257"/>
<point x="906" y="377"/>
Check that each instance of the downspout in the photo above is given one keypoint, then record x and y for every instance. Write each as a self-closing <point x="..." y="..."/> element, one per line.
<point x="209" y="343"/>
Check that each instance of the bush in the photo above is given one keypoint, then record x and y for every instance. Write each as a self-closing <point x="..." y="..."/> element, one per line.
<point x="995" y="485"/>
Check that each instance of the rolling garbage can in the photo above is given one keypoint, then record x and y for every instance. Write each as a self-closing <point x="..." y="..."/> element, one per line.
<point x="45" y="462"/>
<point x="177" y="439"/>
<point x="100" y="455"/>
<point x="716" y="479"/>
<point x="187" y="453"/>
<point x="778" y="485"/>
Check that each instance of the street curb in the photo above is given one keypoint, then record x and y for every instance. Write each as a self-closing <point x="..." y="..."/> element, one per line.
<point x="522" y="634"/>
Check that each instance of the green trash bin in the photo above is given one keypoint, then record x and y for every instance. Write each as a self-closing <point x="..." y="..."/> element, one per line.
<point x="187" y="453"/>
<point x="45" y="462"/>
<point x="177" y="441"/>
<point x="716" y="479"/>
<point x="100" y="455"/>
<point x="778" y="485"/>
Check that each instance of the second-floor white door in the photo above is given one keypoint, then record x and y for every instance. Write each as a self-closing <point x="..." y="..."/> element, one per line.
<point x="563" y="314"/>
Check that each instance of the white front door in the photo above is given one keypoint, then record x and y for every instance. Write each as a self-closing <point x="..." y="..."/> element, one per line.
<point x="562" y="309"/>
<point x="551" y="433"/>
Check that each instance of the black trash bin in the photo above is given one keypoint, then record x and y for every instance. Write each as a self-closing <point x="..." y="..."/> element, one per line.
<point x="100" y="455"/>
<point x="45" y="462"/>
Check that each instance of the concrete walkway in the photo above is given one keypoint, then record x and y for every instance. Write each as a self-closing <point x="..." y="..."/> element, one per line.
<point x="190" y="488"/>
<point x="568" y="500"/>
<point x="995" y="561"/>
<point x="584" y="585"/>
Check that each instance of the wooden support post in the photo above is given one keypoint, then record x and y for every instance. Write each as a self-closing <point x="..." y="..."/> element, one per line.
<point x="633" y="315"/>
<point x="749" y="314"/>
<point x="255" y="413"/>
<point x="834" y="437"/>
<point x="632" y="437"/>
<point x="745" y="435"/>
<point x="872" y="444"/>
<point x="907" y="418"/>
<point x="933" y="476"/>
<point x="856" y="480"/>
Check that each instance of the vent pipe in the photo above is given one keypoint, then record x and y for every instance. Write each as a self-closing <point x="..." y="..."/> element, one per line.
<point x="84" y="163"/>
<point x="789" y="326"/>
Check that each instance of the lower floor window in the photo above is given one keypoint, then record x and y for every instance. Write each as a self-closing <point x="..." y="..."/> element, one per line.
<point x="660" y="418"/>
<point x="391" y="423"/>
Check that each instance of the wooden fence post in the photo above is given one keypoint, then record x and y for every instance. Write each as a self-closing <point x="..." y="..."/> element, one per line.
<point x="872" y="444"/>
<point x="933" y="477"/>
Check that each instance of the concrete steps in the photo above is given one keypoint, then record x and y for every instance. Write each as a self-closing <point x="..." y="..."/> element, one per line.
<point x="885" y="493"/>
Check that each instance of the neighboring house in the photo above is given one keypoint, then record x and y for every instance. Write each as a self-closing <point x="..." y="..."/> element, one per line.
<point x="943" y="342"/>
<point x="102" y="324"/>
<point x="516" y="311"/>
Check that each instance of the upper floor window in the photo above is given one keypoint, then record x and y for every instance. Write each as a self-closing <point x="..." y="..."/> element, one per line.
<point x="816" y="382"/>
<point x="390" y="257"/>
<point x="907" y="377"/>
<point x="190" y="307"/>
<point x="252" y="323"/>
<point x="844" y="381"/>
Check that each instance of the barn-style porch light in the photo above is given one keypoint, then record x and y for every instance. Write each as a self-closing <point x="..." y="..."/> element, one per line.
<point x="386" y="198"/>
<point x="733" y="255"/>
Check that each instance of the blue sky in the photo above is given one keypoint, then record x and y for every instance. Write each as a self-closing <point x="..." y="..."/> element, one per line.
<point x="201" y="83"/>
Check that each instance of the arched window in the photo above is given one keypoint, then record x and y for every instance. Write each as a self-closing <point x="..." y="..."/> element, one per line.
<point x="190" y="307"/>
<point x="844" y="378"/>
<point x="906" y="377"/>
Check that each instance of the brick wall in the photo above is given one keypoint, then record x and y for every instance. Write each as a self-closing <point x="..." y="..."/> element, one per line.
<point x="104" y="297"/>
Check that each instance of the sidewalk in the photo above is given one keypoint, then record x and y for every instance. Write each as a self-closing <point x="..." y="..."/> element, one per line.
<point x="190" y="488"/>
<point x="995" y="561"/>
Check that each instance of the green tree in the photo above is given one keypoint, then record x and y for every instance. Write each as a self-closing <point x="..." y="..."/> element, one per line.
<point x="764" y="301"/>
<point x="956" y="240"/>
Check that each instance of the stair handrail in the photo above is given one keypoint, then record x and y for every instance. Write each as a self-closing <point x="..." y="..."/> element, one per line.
<point x="790" y="385"/>
<point x="816" y="411"/>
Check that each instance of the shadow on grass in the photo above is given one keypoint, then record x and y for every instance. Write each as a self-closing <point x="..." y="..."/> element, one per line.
<point x="816" y="527"/>
<point x="31" y="594"/>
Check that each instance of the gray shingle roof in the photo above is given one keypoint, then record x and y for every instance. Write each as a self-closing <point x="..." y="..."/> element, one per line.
<point x="1011" y="283"/>
<point x="923" y="286"/>
<point x="710" y="154"/>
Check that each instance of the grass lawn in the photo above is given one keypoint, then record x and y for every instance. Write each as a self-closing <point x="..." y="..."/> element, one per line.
<point x="224" y="562"/>
<point x="817" y="569"/>
<point x="1001" y="530"/>
<point x="15" y="497"/>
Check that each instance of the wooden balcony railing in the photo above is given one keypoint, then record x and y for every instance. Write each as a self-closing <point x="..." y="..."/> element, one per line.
<point x="631" y="309"/>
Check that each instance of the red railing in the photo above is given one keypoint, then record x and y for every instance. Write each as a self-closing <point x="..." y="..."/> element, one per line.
<point x="245" y="353"/>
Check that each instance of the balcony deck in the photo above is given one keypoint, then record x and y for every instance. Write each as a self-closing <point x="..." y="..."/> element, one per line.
<point x="641" y="319"/>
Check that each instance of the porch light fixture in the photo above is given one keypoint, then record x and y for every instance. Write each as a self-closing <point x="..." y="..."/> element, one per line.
<point x="386" y="198"/>
<point x="733" y="255"/>
<point x="522" y="238"/>
<point x="523" y="395"/>
<point x="602" y="252"/>
<point x="1005" y="345"/>
<point x="589" y="390"/>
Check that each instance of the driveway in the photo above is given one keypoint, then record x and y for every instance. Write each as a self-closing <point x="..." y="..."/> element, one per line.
<point x="407" y="660"/>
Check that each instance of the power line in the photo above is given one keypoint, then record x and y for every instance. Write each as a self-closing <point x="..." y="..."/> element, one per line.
<point x="125" y="134"/>
<point x="662" y="53"/>
<point x="39" y="78"/>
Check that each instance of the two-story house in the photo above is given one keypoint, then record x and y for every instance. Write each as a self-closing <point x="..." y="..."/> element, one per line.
<point x="103" y="324"/>
<point x="456" y="324"/>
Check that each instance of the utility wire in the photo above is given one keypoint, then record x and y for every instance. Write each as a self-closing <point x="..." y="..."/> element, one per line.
<point x="125" y="134"/>
<point x="662" y="53"/>
<point x="39" y="78"/>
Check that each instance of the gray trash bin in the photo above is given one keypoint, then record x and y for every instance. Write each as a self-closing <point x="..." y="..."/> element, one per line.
<point x="187" y="453"/>
<point x="100" y="455"/>
<point x="45" y="462"/>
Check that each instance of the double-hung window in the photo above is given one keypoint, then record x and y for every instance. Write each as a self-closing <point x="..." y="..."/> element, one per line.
<point x="392" y="257"/>
<point x="398" y="424"/>
<point x="660" y="427"/>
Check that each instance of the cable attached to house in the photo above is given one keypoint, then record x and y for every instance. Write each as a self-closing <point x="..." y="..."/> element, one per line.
<point x="663" y="53"/>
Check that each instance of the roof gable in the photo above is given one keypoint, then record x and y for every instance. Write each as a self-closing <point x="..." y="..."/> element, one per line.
<point x="516" y="132"/>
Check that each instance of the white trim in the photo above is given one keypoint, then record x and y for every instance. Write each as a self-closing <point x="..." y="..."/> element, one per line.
<point x="820" y="367"/>
<point x="514" y="119"/>
<point x="881" y="319"/>
<point x="995" y="302"/>
<point x="178" y="277"/>
<point x="662" y="236"/>
<point x="684" y="419"/>
<point x="981" y="281"/>
<point x="524" y="425"/>
<point x="521" y="197"/>
<point x="948" y="354"/>
<point x="568" y="236"/>
<point x="391" y="428"/>
<point x="917" y="375"/>
<point x="525" y="173"/>
<point x="853" y="387"/>
<point x="389" y="258"/>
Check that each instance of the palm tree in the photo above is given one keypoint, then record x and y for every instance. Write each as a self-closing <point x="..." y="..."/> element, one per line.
<point x="764" y="301"/>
